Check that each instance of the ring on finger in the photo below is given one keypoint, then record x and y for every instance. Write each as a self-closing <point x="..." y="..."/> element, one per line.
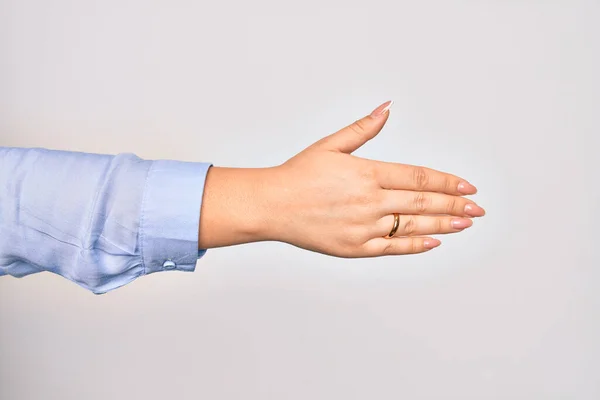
<point x="395" y="227"/>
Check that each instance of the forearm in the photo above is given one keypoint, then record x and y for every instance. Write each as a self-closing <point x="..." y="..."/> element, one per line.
<point x="99" y="220"/>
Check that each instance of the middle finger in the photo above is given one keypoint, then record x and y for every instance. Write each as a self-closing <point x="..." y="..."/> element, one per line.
<point x="410" y="202"/>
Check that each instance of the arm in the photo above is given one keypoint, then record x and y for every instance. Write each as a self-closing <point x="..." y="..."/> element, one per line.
<point x="102" y="221"/>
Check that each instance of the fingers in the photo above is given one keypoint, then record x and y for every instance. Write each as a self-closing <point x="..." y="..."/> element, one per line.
<point x="411" y="177"/>
<point x="420" y="225"/>
<point x="358" y="133"/>
<point x="408" y="202"/>
<point x="399" y="246"/>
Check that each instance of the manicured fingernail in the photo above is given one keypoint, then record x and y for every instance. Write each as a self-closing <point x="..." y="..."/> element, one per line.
<point x="466" y="188"/>
<point x="431" y="243"/>
<point x="382" y="109"/>
<point x="474" y="210"/>
<point x="461" y="223"/>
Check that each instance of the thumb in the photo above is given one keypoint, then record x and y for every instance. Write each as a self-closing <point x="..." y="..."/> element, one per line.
<point x="359" y="132"/>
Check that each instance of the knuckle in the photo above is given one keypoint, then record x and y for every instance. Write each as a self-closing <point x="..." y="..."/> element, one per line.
<point x="368" y="173"/>
<point x="451" y="205"/>
<point x="388" y="249"/>
<point x="439" y="225"/>
<point x="358" y="127"/>
<point x="410" y="226"/>
<point x="356" y="236"/>
<point x="450" y="185"/>
<point x="368" y="249"/>
<point x="422" y="202"/>
<point x="415" y="246"/>
<point x="363" y="199"/>
<point x="420" y="178"/>
<point x="378" y="203"/>
<point x="345" y="248"/>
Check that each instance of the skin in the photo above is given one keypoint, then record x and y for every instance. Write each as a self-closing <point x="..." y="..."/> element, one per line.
<point x="327" y="200"/>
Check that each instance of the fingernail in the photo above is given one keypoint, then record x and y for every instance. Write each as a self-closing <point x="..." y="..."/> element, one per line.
<point x="461" y="223"/>
<point x="382" y="109"/>
<point x="465" y="187"/>
<point x="474" y="210"/>
<point x="431" y="243"/>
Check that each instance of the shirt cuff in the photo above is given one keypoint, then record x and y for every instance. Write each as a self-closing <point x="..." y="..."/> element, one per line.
<point x="170" y="215"/>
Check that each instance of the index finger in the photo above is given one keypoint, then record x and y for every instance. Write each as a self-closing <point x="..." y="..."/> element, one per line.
<point x="413" y="177"/>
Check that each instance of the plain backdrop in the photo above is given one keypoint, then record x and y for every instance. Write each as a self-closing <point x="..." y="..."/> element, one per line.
<point x="504" y="93"/>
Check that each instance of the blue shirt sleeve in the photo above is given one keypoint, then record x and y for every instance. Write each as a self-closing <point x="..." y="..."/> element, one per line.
<point x="98" y="220"/>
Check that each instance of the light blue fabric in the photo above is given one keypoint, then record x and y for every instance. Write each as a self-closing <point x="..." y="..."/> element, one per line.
<point x="99" y="220"/>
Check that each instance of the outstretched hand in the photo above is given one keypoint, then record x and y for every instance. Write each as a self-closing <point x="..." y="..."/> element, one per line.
<point x="327" y="200"/>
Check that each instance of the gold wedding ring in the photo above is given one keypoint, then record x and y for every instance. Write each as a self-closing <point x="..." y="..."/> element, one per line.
<point x="395" y="227"/>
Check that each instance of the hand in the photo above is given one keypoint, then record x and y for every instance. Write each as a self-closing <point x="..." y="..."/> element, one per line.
<point x="324" y="199"/>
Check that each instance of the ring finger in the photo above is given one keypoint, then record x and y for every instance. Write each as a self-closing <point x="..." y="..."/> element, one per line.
<point x="419" y="225"/>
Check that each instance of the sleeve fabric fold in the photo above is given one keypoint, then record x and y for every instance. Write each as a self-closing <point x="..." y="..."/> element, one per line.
<point x="98" y="220"/>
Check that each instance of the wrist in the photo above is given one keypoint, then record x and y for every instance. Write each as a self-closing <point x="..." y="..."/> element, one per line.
<point x="266" y="217"/>
<point x="237" y="207"/>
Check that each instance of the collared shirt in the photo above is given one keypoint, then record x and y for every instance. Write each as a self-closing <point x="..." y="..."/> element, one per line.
<point x="98" y="220"/>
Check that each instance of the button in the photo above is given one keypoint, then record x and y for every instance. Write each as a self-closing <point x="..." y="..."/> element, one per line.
<point x="169" y="264"/>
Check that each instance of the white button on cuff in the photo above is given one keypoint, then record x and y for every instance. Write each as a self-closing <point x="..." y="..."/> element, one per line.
<point x="169" y="264"/>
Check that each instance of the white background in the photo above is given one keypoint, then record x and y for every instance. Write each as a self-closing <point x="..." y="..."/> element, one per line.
<point x="504" y="93"/>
